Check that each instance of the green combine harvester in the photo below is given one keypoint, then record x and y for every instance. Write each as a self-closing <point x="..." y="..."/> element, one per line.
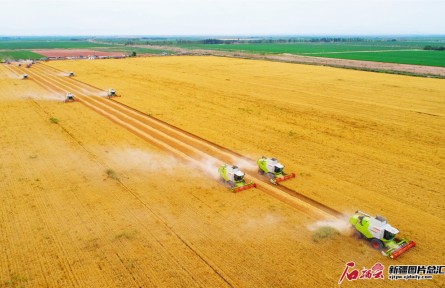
<point x="234" y="178"/>
<point x="380" y="234"/>
<point x="273" y="170"/>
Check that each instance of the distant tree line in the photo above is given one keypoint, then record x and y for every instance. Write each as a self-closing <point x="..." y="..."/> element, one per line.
<point x="281" y="40"/>
<point x="329" y="39"/>
<point x="154" y="38"/>
<point x="165" y="41"/>
<point x="436" y="48"/>
<point x="140" y="42"/>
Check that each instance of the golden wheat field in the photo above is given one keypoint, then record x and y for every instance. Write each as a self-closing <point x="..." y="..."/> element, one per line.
<point x="92" y="195"/>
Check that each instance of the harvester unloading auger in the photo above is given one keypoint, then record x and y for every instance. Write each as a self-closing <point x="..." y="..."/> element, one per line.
<point x="380" y="234"/>
<point x="234" y="178"/>
<point x="273" y="170"/>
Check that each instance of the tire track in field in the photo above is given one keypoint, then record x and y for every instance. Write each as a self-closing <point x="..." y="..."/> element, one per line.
<point x="206" y="149"/>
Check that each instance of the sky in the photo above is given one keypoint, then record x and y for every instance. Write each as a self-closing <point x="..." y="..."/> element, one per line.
<point x="230" y="17"/>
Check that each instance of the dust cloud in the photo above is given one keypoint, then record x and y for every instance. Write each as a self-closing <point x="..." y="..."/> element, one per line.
<point x="340" y="224"/>
<point x="147" y="161"/>
<point x="144" y="161"/>
<point x="62" y="74"/>
<point x="244" y="164"/>
<point x="208" y="165"/>
<point x="44" y="96"/>
<point x="102" y="94"/>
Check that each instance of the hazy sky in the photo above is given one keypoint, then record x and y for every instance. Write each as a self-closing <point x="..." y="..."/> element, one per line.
<point x="225" y="17"/>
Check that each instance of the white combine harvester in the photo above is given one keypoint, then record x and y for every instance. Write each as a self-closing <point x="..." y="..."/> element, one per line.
<point x="70" y="98"/>
<point x="112" y="93"/>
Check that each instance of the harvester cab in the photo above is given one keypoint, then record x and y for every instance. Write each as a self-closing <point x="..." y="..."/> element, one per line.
<point x="234" y="178"/>
<point x="25" y="76"/>
<point x="380" y="234"/>
<point x="273" y="169"/>
<point x="70" y="98"/>
<point x="111" y="93"/>
<point x="70" y="74"/>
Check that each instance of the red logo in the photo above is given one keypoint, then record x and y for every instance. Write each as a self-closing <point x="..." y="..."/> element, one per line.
<point x="376" y="272"/>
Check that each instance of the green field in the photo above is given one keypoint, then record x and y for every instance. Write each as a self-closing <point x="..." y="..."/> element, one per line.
<point x="421" y="57"/>
<point x="404" y="52"/>
<point x="21" y="54"/>
<point x="308" y="47"/>
<point x="39" y="44"/>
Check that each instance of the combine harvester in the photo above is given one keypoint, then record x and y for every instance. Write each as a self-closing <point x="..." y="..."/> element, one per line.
<point x="380" y="234"/>
<point x="273" y="170"/>
<point x="70" y="98"/>
<point x="112" y="93"/>
<point x="71" y="74"/>
<point x="234" y="178"/>
<point x="24" y="76"/>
